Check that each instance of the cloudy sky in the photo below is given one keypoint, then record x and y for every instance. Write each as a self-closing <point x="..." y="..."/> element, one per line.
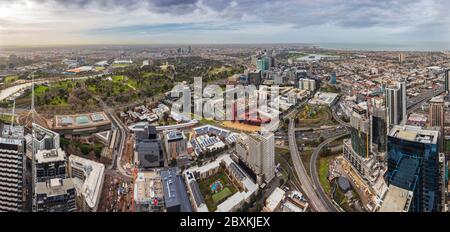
<point x="31" y="22"/>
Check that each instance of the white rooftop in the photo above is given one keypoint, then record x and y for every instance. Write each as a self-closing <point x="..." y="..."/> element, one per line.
<point x="48" y="156"/>
<point x="94" y="175"/>
<point x="273" y="201"/>
<point x="396" y="200"/>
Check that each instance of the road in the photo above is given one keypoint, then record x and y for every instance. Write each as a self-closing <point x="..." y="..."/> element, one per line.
<point x="414" y="103"/>
<point x="315" y="175"/>
<point x="306" y="184"/>
<point x="337" y="118"/>
<point x="120" y="140"/>
<point x="117" y="156"/>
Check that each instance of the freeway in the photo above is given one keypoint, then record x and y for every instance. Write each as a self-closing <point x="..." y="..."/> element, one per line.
<point x="306" y="184"/>
<point x="314" y="173"/>
<point x="416" y="102"/>
<point x="337" y="118"/>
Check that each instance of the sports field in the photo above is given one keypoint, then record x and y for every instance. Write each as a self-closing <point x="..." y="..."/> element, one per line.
<point x="240" y="126"/>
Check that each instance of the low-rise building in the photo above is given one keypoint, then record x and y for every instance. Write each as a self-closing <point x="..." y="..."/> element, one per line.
<point x="247" y="187"/>
<point x="148" y="192"/>
<point x="274" y="200"/>
<point x="78" y="124"/>
<point x="175" y="196"/>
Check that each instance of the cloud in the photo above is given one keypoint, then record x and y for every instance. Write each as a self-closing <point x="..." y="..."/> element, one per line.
<point x="125" y="18"/>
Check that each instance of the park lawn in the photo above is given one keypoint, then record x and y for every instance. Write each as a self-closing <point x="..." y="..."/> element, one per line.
<point x="323" y="172"/>
<point x="296" y="55"/>
<point x="121" y="65"/>
<point x="119" y="88"/>
<point x="92" y="88"/>
<point x="6" y="118"/>
<point x="118" y="78"/>
<point x="221" y="69"/>
<point x="40" y="90"/>
<point x="329" y="89"/>
<point x="10" y="79"/>
<point x="220" y="196"/>
<point x="123" y="80"/>
<point x="314" y="116"/>
<point x="58" y="101"/>
<point x="98" y="69"/>
<point x="67" y="85"/>
<point x="152" y="74"/>
<point x="132" y="84"/>
<point x="305" y="156"/>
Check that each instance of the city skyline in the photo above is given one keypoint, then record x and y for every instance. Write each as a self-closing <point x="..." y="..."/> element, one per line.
<point x="59" y="22"/>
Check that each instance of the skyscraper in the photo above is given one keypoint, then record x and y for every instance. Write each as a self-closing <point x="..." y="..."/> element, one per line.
<point x="396" y="103"/>
<point x="378" y="129"/>
<point x="175" y="143"/>
<point x="254" y="77"/>
<point x="413" y="165"/>
<point x="447" y="80"/>
<point x="261" y="155"/>
<point x="402" y="86"/>
<point x="333" y="78"/>
<point x="437" y="118"/>
<point x="262" y="63"/>
<point x="55" y="195"/>
<point x="401" y="58"/>
<point x="44" y="139"/>
<point x="12" y="168"/>
<point x="53" y="190"/>
<point x="360" y="134"/>
<point x="50" y="164"/>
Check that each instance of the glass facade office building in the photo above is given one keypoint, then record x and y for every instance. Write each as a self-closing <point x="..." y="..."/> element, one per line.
<point x="413" y="164"/>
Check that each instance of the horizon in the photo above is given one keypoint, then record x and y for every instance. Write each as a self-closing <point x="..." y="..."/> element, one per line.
<point x="422" y="46"/>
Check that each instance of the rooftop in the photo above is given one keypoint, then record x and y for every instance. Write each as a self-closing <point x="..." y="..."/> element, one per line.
<point x="148" y="185"/>
<point x="174" y="191"/>
<point x="47" y="156"/>
<point x="396" y="200"/>
<point x="9" y="131"/>
<point x="174" y="135"/>
<point x="94" y="175"/>
<point x="415" y="134"/>
<point x="80" y="120"/>
<point x="274" y="200"/>
<point x="54" y="187"/>
<point x="149" y="154"/>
